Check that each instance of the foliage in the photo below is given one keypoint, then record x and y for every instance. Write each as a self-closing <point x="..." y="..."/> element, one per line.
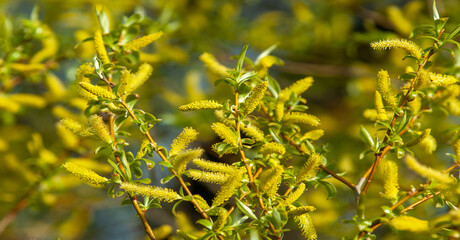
<point x="268" y="163"/>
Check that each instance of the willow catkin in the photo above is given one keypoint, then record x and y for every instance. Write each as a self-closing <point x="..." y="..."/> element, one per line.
<point x="390" y="181"/>
<point x="214" y="166"/>
<point x="187" y="136"/>
<point x="272" y="148"/>
<point x="85" y="174"/>
<point x="209" y="177"/>
<point x="308" y="171"/>
<point x="270" y="180"/>
<point x="291" y="198"/>
<point x="300" y="211"/>
<point x="97" y="91"/>
<point x="162" y="194"/>
<point x="385" y="89"/>
<point x="407" y="45"/>
<point x="141" y="42"/>
<point x="182" y="158"/>
<point x="382" y="114"/>
<point x="99" y="128"/>
<point x="408" y="223"/>
<point x="253" y="100"/>
<point x="213" y="65"/>
<point x="302" y="118"/>
<point x="306" y="226"/>
<point x="427" y="172"/>
<point x="225" y="133"/>
<point x="100" y="48"/>
<point x="200" y="105"/>
<point x="228" y="188"/>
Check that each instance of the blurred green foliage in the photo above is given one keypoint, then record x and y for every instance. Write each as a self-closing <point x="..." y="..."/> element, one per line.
<point x="43" y="42"/>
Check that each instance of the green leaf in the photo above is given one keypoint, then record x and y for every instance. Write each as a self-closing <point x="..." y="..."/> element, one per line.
<point x="111" y="191"/>
<point x="126" y="202"/>
<point x="206" y="223"/>
<point x="166" y="179"/>
<point x="144" y="180"/>
<point x="103" y="20"/>
<point x="406" y="76"/>
<point x="137" y="172"/>
<point x="266" y="52"/>
<point x="166" y="164"/>
<point x="435" y="11"/>
<point x="241" y="57"/>
<point x="150" y="163"/>
<point x="135" y="18"/>
<point x="330" y="188"/>
<point x="245" y="209"/>
<point x="454" y="33"/>
<point x="366" y="137"/>
<point x="273" y="87"/>
<point x="115" y="167"/>
<point x="131" y="100"/>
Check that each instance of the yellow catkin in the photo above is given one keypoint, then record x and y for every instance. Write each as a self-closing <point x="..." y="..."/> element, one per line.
<point x="221" y="219"/>
<point x="253" y="132"/>
<point x="185" y="236"/>
<point x="390" y="181"/>
<point x="399" y="20"/>
<point x="85" y="174"/>
<point x="143" y="147"/>
<point x="140" y="77"/>
<point x="225" y="133"/>
<point x="209" y="177"/>
<point x="279" y="110"/>
<point x="228" y="188"/>
<point x="29" y="100"/>
<point x="76" y="127"/>
<point x="313" y="134"/>
<point x="408" y="223"/>
<point x="270" y="180"/>
<point x="100" y="48"/>
<point x="291" y="198"/>
<point x="371" y="114"/>
<point x="428" y="172"/>
<point x="382" y="114"/>
<point x="162" y="194"/>
<point x="384" y="88"/>
<point x="187" y="136"/>
<point x="96" y="90"/>
<point x="272" y="148"/>
<point x="162" y="232"/>
<point x="141" y="42"/>
<point x="200" y="105"/>
<point x="308" y="171"/>
<point x="85" y="68"/>
<point x="442" y="80"/>
<point x="8" y="105"/>
<point x="251" y="102"/>
<point x="428" y="144"/>
<point x="213" y="65"/>
<point x="456" y="147"/>
<point x="298" y="87"/>
<point x="407" y="45"/>
<point x="201" y="202"/>
<point x="420" y="138"/>
<point x="99" y="128"/>
<point x="50" y="46"/>
<point x="27" y="68"/>
<point x="180" y="160"/>
<point x="306" y="226"/>
<point x="214" y="166"/>
<point x="125" y="79"/>
<point x="422" y="79"/>
<point x="302" y="118"/>
<point x="68" y="138"/>
<point x="116" y="108"/>
<point x="301" y="210"/>
<point x="56" y="88"/>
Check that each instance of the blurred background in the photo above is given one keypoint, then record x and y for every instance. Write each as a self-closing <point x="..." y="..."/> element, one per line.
<point x="326" y="39"/>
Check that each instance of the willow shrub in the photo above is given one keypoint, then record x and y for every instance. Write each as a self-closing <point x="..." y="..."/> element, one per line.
<point x="271" y="132"/>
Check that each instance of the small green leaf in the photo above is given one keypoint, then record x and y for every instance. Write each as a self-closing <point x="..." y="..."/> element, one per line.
<point x="111" y="191"/>
<point x="366" y="137"/>
<point x="241" y="57"/>
<point x="245" y="209"/>
<point x="103" y="20"/>
<point x="144" y="180"/>
<point x="330" y="188"/>
<point x="131" y="100"/>
<point x="435" y="11"/>
<point x="167" y="179"/>
<point x="206" y="223"/>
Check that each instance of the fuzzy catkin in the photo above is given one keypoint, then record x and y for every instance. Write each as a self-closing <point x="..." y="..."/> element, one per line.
<point x="100" y="48"/>
<point x="252" y="101"/>
<point x="228" y="188"/>
<point x="141" y="42"/>
<point x="225" y="133"/>
<point x="272" y="148"/>
<point x="162" y="194"/>
<point x="390" y="184"/>
<point x="99" y="128"/>
<point x="313" y="134"/>
<point x="298" y="87"/>
<point x="221" y="219"/>
<point x="85" y="174"/>
<point x="429" y="144"/>
<point x="300" y="211"/>
<point x="96" y="90"/>
<point x="209" y="177"/>
<point x="214" y="166"/>
<point x="85" y="68"/>
<point x="76" y="127"/>
<point x="408" y="223"/>
<point x="302" y="118"/>
<point x="253" y="132"/>
<point x="270" y="180"/>
<point x="213" y="65"/>
<point x="180" y="160"/>
<point x="185" y="236"/>
<point x="143" y="147"/>
<point x="442" y="80"/>
<point x="384" y="88"/>
<point x="200" y="105"/>
<point x="140" y="77"/>
<point x="382" y="114"/>
<point x="306" y="226"/>
<point x="308" y="171"/>
<point x="295" y="195"/>
<point x="456" y="148"/>
<point x="407" y="45"/>
<point x="427" y="172"/>
<point x="420" y="138"/>
<point x="187" y="136"/>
